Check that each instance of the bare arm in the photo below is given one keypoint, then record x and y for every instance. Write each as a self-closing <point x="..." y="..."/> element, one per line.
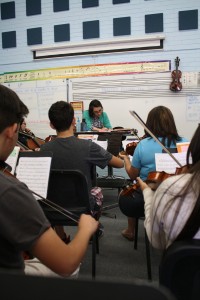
<point x="104" y="129"/>
<point x="61" y="258"/>
<point x="142" y="184"/>
<point x="131" y="171"/>
<point x="116" y="162"/>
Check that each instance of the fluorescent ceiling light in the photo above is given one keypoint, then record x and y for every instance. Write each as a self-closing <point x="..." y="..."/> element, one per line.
<point x="99" y="47"/>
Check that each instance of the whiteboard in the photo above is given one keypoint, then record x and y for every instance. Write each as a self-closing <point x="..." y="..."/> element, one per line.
<point x="118" y="94"/>
<point x="140" y="92"/>
<point x="38" y="96"/>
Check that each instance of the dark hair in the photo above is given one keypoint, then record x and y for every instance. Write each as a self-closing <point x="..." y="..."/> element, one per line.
<point x="61" y="115"/>
<point x="194" y="150"/>
<point x="12" y="109"/>
<point x="94" y="103"/>
<point x="192" y="184"/>
<point x="160" y="122"/>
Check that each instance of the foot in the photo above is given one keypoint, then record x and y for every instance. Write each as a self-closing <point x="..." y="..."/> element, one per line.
<point x="128" y="235"/>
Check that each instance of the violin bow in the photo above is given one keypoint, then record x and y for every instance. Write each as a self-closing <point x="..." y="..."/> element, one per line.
<point x="135" y="115"/>
<point x="57" y="207"/>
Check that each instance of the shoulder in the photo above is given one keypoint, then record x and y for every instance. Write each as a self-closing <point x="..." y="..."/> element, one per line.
<point x="183" y="139"/>
<point x="145" y="142"/>
<point x="104" y="114"/>
<point x="48" y="145"/>
<point x="86" y="113"/>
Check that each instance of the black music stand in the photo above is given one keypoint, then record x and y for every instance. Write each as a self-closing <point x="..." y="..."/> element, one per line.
<point x="111" y="181"/>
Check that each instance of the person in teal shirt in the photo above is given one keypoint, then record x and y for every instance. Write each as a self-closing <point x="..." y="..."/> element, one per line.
<point x="95" y="118"/>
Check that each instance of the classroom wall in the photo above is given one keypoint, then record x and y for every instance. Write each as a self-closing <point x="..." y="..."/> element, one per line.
<point x="182" y="43"/>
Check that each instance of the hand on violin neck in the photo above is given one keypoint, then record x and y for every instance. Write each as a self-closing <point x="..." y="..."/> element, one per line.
<point x="123" y="155"/>
<point x="143" y="185"/>
<point x="27" y="130"/>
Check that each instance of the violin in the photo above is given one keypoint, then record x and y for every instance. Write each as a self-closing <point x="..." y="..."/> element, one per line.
<point x="130" y="147"/>
<point x="176" y="85"/>
<point x="154" y="179"/>
<point x="31" y="141"/>
<point x="50" y="138"/>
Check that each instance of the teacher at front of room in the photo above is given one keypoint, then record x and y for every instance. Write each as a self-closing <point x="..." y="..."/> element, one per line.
<point x="95" y="118"/>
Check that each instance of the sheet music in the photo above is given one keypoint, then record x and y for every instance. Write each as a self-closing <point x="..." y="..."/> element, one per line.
<point x="34" y="172"/>
<point x="12" y="159"/>
<point x="164" y="162"/>
<point x="103" y="144"/>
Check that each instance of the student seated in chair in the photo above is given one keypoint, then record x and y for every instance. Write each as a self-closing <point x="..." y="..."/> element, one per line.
<point x="172" y="212"/>
<point x="23" y="224"/>
<point x="70" y="152"/>
<point x="160" y="121"/>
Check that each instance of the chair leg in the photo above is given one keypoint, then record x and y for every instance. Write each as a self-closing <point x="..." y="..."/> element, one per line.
<point x="94" y="245"/>
<point x="97" y="242"/>
<point x="148" y="257"/>
<point x="136" y="233"/>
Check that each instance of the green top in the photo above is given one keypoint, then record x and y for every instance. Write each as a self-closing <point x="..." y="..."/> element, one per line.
<point x="103" y="118"/>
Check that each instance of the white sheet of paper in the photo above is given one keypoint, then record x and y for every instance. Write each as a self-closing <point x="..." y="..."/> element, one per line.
<point x="92" y="137"/>
<point x="12" y="159"/>
<point x="34" y="172"/>
<point x="103" y="144"/>
<point x="164" y="162"/>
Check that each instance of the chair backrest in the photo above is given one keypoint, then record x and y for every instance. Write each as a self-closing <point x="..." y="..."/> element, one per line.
<point x="56" y="288"/>
<point x="69" y="189"/>
<point x="179" y="269"/>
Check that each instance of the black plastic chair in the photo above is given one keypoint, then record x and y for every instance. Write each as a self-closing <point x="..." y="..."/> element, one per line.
<point x="19" y="286"/>
<point x="179" y="269"/>
<point x="69" y="190"/>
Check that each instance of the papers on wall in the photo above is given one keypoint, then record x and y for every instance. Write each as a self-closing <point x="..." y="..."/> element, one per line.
<point x="34" y="172"/>
<point x="164" y="162"/>
<point x="12" y="159"/>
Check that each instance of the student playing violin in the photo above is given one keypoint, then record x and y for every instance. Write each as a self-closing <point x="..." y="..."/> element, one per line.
<point x="70" y="152"/>
<point x="160" y="122"/>
<point x="22" y="221"/>
<point x="23" y="138"/>
<point x="168" y="209"/>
